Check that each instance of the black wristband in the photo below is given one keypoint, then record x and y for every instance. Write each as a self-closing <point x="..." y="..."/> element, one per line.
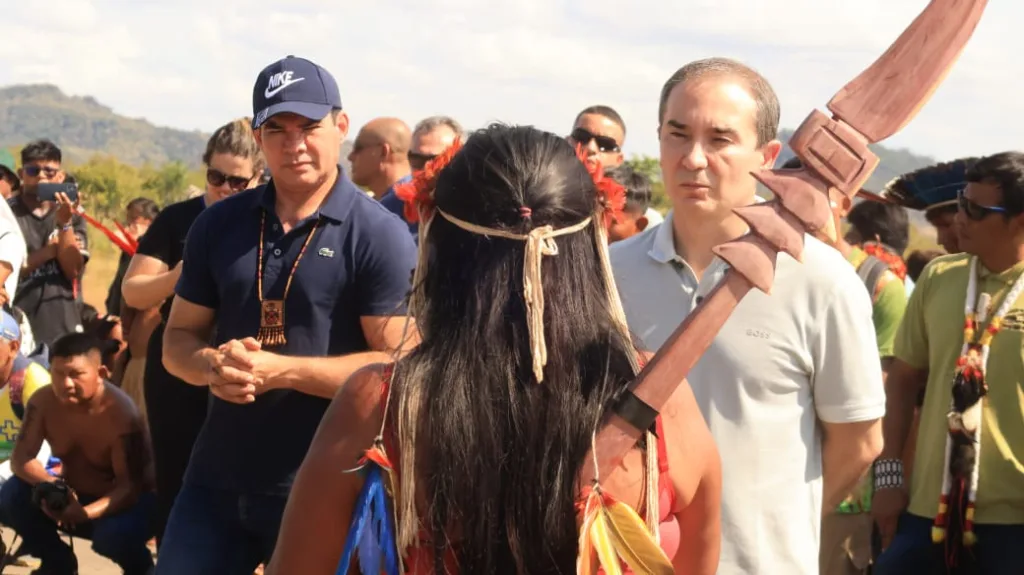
<point x="635" y="411"/>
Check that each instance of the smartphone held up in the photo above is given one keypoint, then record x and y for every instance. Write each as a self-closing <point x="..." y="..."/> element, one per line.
<point x="47" y="192"/>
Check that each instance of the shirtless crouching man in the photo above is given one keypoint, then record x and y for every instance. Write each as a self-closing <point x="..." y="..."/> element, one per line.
<point x="96" y="431"/>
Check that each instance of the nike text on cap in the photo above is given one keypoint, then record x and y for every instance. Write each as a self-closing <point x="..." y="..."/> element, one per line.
<point x="294" y="85"/>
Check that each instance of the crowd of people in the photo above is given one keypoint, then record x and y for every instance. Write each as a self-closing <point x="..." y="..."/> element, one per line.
<point x="402" y="367"/>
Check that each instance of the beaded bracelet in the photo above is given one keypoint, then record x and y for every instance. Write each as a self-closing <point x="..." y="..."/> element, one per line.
<point x="888" y="474"/>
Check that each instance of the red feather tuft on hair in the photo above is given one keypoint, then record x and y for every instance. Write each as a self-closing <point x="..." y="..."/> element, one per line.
<point x="611" y="195"/>
<point x="418" y="193"/>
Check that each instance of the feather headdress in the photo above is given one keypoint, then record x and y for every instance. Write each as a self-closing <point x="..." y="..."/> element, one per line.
<point x="931" y="187"/>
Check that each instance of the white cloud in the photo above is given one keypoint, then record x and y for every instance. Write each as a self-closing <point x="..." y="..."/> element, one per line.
<point x="190" y="63"/>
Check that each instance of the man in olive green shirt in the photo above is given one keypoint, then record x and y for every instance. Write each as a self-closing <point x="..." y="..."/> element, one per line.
<point x="990" y="226"/>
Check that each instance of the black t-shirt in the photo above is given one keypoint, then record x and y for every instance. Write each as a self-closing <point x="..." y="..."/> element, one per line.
<point x="113" y="303"/>
<point x="51" y="301"/>
<point x="165" y="238"/>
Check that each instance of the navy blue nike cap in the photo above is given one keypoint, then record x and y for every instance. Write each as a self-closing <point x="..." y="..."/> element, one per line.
<point x="294" y="85"/>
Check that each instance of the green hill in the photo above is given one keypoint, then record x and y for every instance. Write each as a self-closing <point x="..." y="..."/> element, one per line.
<point x="83" y="127"/>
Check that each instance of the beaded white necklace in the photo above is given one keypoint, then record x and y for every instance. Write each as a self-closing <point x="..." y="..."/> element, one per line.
<point x="972" y="364"/>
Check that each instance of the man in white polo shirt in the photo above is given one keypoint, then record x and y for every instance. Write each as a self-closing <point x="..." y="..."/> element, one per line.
<point x="791" y="387"/>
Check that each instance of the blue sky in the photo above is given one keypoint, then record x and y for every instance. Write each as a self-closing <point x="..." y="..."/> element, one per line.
<point x="191" y="64"/>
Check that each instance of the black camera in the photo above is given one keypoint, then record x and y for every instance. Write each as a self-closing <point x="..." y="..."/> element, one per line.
<point x="56" y="494"/>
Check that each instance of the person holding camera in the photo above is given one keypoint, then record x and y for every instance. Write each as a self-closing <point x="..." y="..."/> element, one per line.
<point x="48" y="290"/>
<point x="105" y="488"/>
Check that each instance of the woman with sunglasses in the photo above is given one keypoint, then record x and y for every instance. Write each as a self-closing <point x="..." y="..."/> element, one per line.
<point x="175" y="409"/>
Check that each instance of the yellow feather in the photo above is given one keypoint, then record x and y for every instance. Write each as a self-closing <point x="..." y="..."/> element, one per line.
<point x="586" y="561"/>
<point x="604" y="545"/>
<point x="633" y="542"/>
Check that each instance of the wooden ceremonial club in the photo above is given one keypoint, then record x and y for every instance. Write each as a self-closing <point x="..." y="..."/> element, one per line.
<point x="836" y="163"/>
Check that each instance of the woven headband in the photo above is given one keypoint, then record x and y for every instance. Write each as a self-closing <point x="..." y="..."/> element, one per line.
<point x="418" y="196"/>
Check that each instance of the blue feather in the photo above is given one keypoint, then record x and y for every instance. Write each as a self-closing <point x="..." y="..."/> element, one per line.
<point x="371" y="535"/>
<point x="386" y="533"/>
<point x="369" y="547"/>
<point x="931" y="185"/>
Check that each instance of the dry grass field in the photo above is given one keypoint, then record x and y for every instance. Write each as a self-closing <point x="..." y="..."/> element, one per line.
<point x="99" y="272"/>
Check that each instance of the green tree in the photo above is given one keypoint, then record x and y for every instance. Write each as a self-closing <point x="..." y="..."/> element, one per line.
<point x="107" y="185"/>
<point x="166" y="184"/>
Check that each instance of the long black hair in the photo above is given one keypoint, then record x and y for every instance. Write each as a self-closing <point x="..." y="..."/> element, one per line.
<point x="496" y="454"/>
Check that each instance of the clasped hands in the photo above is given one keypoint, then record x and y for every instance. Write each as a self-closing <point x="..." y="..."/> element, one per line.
<point x="240" y="370"/>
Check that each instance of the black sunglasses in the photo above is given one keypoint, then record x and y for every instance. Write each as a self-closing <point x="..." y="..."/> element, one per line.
<point x="418" y="161"/>
<point x="216" y="178"/>
<point x="34" y="171"/>
<point x="604" y="143"/>
<point x="974" y="210"/>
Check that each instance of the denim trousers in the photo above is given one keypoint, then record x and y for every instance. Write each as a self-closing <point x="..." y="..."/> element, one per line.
<point x="998" y="551"/>
<point x="120" y="537"/>
<point x="217" y="532"/>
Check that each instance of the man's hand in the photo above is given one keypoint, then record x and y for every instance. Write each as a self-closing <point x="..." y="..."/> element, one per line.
<point x="886" y="507"/>
<point x="74" y="514"/>
<point x="66" y="208"/>
<point x="228" y="379"/>
<point x="247" y="355"/>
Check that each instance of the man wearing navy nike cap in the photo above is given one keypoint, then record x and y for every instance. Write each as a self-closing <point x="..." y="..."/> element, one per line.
<point x="303" y="280"/>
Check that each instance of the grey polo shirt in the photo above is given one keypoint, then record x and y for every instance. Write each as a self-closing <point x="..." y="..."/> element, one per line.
<point x="781" y="363"/>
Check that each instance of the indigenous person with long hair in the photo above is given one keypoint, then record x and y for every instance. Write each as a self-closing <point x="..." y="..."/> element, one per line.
<point x="490" y="418"/>
<point x="175" y="409"/>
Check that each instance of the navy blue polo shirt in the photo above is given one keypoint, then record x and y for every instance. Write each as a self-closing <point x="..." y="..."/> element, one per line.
<point x="358" y="263"/>
<point x="391" y="201"/>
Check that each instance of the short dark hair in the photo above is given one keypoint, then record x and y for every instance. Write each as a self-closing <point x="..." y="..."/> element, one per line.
<point x="918" y="259"/>
<point x="638" y="187"/>
<point x="144" y="207"/>
<point x="888" y="222"/>
<point x="607" y="112"/>
<point x="40" y="151"/>
<point x="768" y="110"/>
<point x="74" y="344"/>
<point x="1006" y="171"/>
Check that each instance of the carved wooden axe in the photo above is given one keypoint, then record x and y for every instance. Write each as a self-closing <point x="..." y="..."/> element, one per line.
<point x="836" y="163"/>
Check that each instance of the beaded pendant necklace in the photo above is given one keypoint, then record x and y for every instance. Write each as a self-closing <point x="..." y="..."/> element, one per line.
<point x="271" y="331"/>
<point x="965" y="415"/>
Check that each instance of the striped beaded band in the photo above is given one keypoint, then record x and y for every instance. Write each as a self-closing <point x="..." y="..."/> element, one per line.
<point x="888" y="474"/>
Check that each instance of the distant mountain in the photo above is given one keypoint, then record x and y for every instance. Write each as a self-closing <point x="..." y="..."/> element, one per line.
<point x="83" y="127"/>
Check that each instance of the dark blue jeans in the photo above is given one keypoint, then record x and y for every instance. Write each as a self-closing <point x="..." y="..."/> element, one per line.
<point x="215" y="532"/>
<point x="120" y="537"/>
<point x="999" y="550"/>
